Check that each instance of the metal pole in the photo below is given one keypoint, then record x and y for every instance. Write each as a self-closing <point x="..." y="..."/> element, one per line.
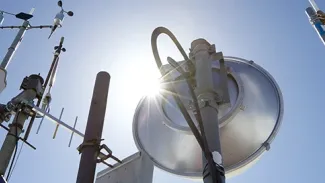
<point x="90" y="146"/>
<point x="11" y="51"/>
<point x="16" y="42"/>
<point x="47" y="80"/>
<point x="316" y="23"/>
<point x="14" y="45"/>
<point x="16" y="127"/>
<point x="201" y="51"/>
<point x="314" y="5"/>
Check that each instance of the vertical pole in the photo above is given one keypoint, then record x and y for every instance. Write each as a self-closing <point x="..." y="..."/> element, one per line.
<point x="93" y="133"/>
<point x="316" y="23"/>
<point x="11" y="51"/>
<point x="16" y="128"/>
<point x="47" y="80"/>
<point x="201" y="52"/>
<point x="15" y="43"/>
<point x="9" y="144"/>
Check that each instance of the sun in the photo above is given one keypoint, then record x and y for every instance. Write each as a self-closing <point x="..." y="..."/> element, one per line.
<point x="152" y="87"/>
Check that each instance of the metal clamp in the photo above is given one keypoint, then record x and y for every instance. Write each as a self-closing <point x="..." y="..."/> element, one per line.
<point x="102" y="157"/>
<point x="93" y="142"/>
<point x="208" y="99"/>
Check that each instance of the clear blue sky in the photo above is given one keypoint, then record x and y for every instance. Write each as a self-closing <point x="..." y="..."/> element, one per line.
<point x="115" y="36"/>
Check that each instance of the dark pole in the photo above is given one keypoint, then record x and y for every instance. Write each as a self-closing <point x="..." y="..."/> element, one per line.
<point x="90" y="146"/>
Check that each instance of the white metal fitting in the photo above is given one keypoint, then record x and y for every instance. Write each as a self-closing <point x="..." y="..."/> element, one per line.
<point x="208" y="99"/>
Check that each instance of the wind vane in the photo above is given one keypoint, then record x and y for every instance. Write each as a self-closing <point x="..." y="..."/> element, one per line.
<point x="58" y="20"/>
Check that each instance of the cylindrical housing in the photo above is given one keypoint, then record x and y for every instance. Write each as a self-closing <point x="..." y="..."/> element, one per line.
<point x="59" y="18"/>
<point x="316" y="23"/>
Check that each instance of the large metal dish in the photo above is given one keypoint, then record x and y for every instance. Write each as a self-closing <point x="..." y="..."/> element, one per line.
<point x="246" y="129"/>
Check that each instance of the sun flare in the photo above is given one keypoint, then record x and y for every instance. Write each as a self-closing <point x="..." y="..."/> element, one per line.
<point x="152" y="87"/>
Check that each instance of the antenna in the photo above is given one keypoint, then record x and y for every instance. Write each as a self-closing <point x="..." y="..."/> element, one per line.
<point x="202" y="111"/>
<point x="23" y="107"/>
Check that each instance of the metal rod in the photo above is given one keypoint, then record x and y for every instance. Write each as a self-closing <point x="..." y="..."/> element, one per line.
<point x="7" y="13"/>
<point x="316" y="23"/>
<point x="72" y="133"/>
<point x="57" y="125"/>
<point x="14" y="45"/>
<point x="11" y="27"/>
<point x="40" y="124"/>
<point x="29" y="27"/>
<point x="54" y="119"/>
<point x="40" y="27"/>
<point x="55" y="59"/>
<point x="206" y="95"/>
<point x="314" y="5"/>
<point x="93" y="133"/>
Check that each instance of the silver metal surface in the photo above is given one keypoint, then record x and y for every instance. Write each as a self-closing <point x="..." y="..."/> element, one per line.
<point x="137" y="168"/>
<point x="174" y="118"/>
<point x="246" y="128"/>
<point x="72" y="133"/>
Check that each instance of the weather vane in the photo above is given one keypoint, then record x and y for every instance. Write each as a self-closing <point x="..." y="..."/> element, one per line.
<point x="59" y="18"/>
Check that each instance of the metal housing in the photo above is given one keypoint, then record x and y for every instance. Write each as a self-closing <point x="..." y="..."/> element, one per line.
<point x="136" y="168"/>
<point x="246" y="128"/>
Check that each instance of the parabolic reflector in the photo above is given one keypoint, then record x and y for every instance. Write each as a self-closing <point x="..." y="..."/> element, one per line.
<point x="247" y="127"/>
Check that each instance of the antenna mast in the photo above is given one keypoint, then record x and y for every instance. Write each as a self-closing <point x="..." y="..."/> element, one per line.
<point x="317" y="19"/>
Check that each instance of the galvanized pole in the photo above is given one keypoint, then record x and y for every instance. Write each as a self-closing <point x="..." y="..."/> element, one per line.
<point x="90" y="146"/>
<point x="206" y="95"/>
<point x="315" y="20"/>
<point x="16" y="128"/>
<point x="14" y="45"/>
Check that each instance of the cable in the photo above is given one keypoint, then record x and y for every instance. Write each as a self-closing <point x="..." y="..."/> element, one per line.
<point x="154" y="36"/>
<point x="187" y="117"/>
<point x="13" y="168"/>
